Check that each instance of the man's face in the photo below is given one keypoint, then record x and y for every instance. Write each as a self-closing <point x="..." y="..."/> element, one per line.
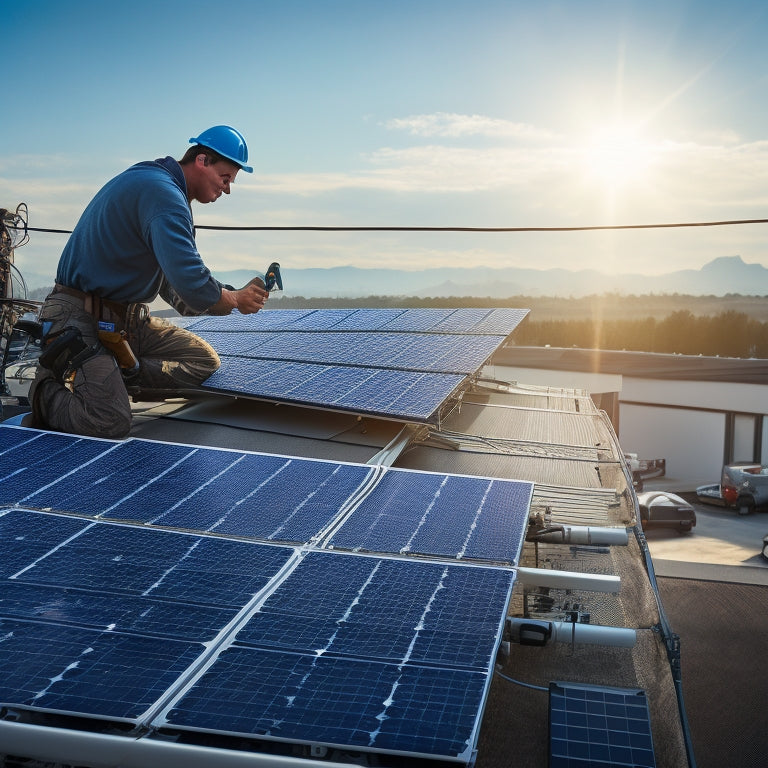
<point x="213" y="179"/>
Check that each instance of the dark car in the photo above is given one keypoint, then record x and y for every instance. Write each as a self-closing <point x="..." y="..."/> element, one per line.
<point x="744" y="487"/>
<point x="660" y="509"/>
<point x="765" y="546"/>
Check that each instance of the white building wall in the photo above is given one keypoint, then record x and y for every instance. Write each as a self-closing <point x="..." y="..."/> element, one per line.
<point x="721" y="396"/>
<point x="690" y="441"/>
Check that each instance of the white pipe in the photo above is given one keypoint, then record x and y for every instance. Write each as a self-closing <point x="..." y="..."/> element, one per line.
<point x="592" y="582"/>
<point x="580" y="534"/>
<point x="569" y="632"/>
<point x="59" y="745"/>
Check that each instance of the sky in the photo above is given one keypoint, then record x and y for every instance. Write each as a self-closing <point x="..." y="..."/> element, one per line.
<point x="405" y="113"/>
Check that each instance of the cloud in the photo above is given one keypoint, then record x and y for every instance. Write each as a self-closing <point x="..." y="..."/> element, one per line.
<point x="452" y="125"/>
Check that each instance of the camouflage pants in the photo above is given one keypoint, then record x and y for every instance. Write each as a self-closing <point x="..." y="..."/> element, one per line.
<point x="96" y="402"/>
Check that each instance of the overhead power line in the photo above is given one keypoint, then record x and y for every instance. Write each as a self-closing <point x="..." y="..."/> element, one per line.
<point x="454" y="229"/>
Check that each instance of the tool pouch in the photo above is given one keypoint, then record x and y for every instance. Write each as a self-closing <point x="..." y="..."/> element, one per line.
<point x="117" y="343"/>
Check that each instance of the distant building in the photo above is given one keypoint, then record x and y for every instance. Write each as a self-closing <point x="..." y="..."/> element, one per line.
<point x="696" y="412"/>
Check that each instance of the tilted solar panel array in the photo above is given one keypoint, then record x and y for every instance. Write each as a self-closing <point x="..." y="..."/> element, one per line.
<point x="266" y="497"/>
<point x="398" y="363"/>
<point x="253" y="611"/>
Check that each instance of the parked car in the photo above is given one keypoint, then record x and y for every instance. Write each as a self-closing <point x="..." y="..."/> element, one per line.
<point x="644" y="469"/>
<point x="765" y="546"/>
<point x="665" y="510"/>
<point x="743" y="487"/>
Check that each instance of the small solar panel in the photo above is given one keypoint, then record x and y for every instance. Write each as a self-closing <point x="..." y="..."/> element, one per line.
<point x="594" y="725"/>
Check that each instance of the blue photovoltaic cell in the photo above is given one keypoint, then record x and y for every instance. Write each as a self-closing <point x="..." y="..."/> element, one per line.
<point x="41" y="460"/>
<point x="26" y="537"/>
<point x="85" y="671"/>
<point x="410" y="395"/>
<point x="463" y="320"/>
<point x="390" y="610"/>
<point x="593" y="725"/>
<point x="364" y="652"/>
<point x="263" y="321"/>
<point x="271" y="498"/>
<point x="320" y="357"/>
<point x="122" y="613"/>
<point x="442" y="353"/>
<point x="446" y="515"/>
<point x="371" y="319"/>
<point x="337" y="701"/>
<point x="127" y="560"/>
<point x="257" y="496"/>
<point x="101" y="619"/>
<point x="93" y="486"/>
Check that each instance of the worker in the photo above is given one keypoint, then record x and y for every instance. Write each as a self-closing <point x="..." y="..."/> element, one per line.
<point x="135" y="242"/>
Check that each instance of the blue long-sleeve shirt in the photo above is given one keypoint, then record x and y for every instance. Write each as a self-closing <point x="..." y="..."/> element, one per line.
<point x="136" y="233"/>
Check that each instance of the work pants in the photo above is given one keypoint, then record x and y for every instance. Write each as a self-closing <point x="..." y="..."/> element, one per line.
<point x="97" y="402"/>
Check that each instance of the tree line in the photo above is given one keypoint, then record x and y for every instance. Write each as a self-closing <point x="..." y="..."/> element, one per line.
<point x="729" y="333"/>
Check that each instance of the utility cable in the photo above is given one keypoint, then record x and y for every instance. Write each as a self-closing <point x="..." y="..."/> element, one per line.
<point x="453" y="229"/>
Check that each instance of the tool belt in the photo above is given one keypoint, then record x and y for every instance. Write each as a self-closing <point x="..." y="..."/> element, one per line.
<point x="117" y="341"/>
<point x="93" y="303"/>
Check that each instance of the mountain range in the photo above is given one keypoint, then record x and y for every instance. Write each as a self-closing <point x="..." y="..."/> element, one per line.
<point x="722" y="276"/>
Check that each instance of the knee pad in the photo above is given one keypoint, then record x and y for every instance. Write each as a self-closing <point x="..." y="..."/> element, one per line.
<point x="65" y="351"/>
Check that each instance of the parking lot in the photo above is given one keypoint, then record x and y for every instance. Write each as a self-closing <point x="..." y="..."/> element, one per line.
<point x="724" y="546"/>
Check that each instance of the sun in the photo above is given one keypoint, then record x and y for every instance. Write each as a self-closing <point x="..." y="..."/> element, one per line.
<point x="617" y="155"/>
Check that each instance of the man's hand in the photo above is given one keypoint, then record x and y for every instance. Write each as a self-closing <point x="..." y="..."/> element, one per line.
<point x="247" y="300"/>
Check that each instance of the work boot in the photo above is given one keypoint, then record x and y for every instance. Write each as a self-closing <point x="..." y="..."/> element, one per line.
<point x="64" y="351"/>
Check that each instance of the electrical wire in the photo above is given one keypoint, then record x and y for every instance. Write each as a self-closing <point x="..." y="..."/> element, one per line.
<point x="520" y="682"/>
<point x="451" y="229"/>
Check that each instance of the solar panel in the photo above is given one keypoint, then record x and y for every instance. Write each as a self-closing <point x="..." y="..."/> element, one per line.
<point x="273" y="498"/>
<point x="93" y="673"/>
<point x="444" y="353"/>
<point x="447" y="515"/>
<point x="461" y="320"/>
<point x="136" y="615"/>
<point x="335" y="358"/>
<point x="100" y="619"/>
<point x="395" y="611"/>
<point x="259" y="496"/>
<point x="407" y="395"/>
<point x="362" y="652"/>
<point x="594" y="725"/>
<point x="358" y="704"/>
<point x="112" y="621"/>
<point x="202" y="631"/>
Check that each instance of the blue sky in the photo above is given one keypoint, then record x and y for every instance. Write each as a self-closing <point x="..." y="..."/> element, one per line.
<point x="476" y="113"/>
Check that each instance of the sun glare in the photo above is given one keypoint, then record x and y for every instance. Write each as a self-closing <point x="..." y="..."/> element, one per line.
<point x="616" y="156"/>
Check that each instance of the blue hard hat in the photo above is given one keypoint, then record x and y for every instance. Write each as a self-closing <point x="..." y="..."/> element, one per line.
<point x="228" y="142"/>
